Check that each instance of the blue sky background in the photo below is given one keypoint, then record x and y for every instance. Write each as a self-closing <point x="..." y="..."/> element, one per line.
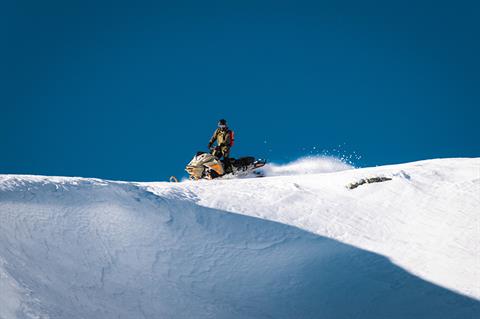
<point x="131" y="89"/>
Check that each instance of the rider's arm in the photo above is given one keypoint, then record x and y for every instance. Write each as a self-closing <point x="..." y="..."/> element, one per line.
<point x="214" y="137"/>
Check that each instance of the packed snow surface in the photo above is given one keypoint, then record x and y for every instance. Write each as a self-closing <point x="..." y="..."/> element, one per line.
<point x="295" y="244"/>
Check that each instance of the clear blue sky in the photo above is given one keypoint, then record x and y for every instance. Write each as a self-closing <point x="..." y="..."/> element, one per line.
<point x="132" y="89"/>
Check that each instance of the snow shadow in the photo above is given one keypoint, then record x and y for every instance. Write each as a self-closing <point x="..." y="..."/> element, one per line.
<point x="274" y="270"/>
<point x="122" y="252"/>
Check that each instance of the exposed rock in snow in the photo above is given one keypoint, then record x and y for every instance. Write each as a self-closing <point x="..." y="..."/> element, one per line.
<point x="368" y="180"/>
<point x="299" y="246"/>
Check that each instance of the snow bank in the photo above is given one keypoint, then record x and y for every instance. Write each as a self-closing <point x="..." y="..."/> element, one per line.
<point x="281" y="247"/>
<point x="307" y="165"/>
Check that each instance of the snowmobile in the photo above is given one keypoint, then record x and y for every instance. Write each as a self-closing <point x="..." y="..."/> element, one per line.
<point x="207" y="166"/>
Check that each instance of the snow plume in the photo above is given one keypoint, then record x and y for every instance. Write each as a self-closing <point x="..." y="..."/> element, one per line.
<point x="307" y="165"/>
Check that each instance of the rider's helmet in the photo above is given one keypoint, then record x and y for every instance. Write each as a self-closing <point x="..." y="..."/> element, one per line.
<point x="222" y="123"/>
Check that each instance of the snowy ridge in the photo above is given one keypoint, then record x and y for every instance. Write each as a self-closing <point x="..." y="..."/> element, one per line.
<point x="298" y="246"/>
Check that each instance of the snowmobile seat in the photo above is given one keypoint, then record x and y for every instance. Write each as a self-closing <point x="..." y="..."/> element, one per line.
<point x="243" y="161"/>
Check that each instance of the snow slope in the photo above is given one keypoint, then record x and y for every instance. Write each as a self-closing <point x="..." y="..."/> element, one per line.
<point x="295" y="246"/>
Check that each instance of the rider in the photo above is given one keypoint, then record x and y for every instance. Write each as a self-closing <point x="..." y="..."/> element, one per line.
<point x="224" y="138"/>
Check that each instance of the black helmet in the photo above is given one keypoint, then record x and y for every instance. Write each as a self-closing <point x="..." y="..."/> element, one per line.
<point x="222" y="123"/>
